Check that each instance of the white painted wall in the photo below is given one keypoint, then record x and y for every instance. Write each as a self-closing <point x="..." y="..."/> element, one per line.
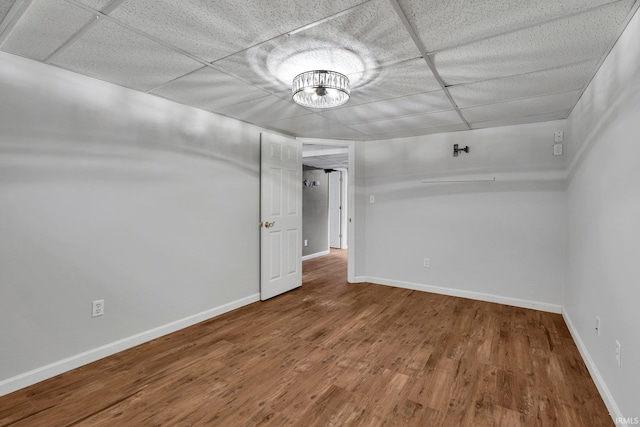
<point x="604" y="224"/>
<point x="499" y="241"/>
<point x="109" y="193"/>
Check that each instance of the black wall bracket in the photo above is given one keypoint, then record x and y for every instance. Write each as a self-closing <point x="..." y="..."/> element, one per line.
<point x="456" y="150"/>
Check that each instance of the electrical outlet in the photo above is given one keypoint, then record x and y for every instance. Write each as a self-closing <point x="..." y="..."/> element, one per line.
<point x="597" y="326"/>
<point x="619" y="353"/>
<point x="372" y="199"/>
<point x="97" y="308"/>
<point x="427" y="263"/>
<point x="557" y="149"/>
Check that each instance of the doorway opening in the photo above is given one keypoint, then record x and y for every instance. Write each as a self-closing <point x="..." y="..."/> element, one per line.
<point x="327" y="212"/>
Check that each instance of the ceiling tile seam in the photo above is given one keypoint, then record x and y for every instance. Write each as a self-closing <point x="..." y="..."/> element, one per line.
<point x="11" y="19"/>
<point x="471" y="83"/>
<point x="522" y="28"/>
<point x="520" y="116"/>
<point x="326" y="19"/>
<point x="416" y="40"/>
<point x="292" y="32"/>
<point x="523" y="98"/>
<point x="175" y="79"/>
<point x="200" y="108"/>
<point x="255" y="100"/>
<point x="82" y="31"/>
<point x="71" y="40"/>
<point x="364" y="135"/>
<point x="163" y="44"/>
<point x="404" y="116"/>
<point x="227" y="73"/>
<point x="304" y="115"/>
<point x="629" y="17"/>
<point x="112" y="6"/>
<point x="417" y="130"/>
<point x="139" y="32"/>
<point x="393" y="98"/>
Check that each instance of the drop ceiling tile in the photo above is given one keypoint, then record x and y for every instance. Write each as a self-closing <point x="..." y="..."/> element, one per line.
<point x="99" y="5"/>
<point x="407" y="78"/>
<point x="214" y="29"/>
<point x="534" y="118"/>
<point x="5" y="7"/>
<point x="561" y="79"/>
<point x="344" y="133"/>
<point x="301" y="124"/>
<point x="208" y="89"/>
<point x="421" y="121"/>
<point x="115" y="54"/>
<point x="421" y="103"/>
<point x="565" y="41"/>
<point x="442" y="25"/>
<point x="44" y="27"/>
<point x="417" y="132"/>
<point x="263" y="110"/>
<point x="356" y="44"/>
<point x="522" y="107"/>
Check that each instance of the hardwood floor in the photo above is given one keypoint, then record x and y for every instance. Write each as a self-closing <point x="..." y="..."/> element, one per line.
<point x="332" y="353"/>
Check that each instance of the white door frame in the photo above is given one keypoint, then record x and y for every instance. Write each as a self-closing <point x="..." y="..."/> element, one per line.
<point x="351" y="197"/>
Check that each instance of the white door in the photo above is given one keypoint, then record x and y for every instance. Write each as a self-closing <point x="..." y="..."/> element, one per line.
<point x="281" y="215"/>
<point x="335" y="206"/>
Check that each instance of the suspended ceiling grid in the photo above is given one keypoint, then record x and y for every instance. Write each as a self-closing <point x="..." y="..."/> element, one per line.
<point x="417" y="66"/>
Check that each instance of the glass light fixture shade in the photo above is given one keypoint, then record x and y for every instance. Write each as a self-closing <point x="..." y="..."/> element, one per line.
<point x="320" y="89"/>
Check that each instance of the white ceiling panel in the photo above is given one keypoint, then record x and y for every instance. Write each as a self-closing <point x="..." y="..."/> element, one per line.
<point x="565" y="41"/>
<point x="115" y="54"/>
<point x="357" y="44"/>
<point x="522" y="107"/>
<point x="534" y="118"/>
<point x="263" y="110"/>
<point x="559" y="79"/>
<point x="421" y="121"/>
<point x="44" y="27"/>
<point x="98" y="5"/>
<point x="215" y="29"/>
<point x="407" y="78"/>
<point x="421" y="131"/>
<point x="295" y="125"/>
<point x="5" y="7"/>
<point x="344" y="133"/>
<point x="208" y="89"/>
<point x="442" y="25"/>
<point x="406" y="106"/>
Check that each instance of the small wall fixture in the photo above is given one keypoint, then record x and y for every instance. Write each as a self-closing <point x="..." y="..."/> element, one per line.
<point x="456" y="150"/>
<point x="308" y="183"/>
<point x="320" y="89"/>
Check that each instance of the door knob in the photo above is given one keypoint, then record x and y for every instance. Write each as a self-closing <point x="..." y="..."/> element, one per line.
<point x="268" y="224"/>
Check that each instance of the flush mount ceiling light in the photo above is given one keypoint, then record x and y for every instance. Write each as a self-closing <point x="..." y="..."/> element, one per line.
<point x="320" y="89"/>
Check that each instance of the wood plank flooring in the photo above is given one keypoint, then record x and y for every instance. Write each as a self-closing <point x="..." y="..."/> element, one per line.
<point x="329" y="354"/>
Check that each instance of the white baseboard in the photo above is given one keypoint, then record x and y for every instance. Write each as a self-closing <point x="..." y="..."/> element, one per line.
<point x="359" y="279"/>
<point x="316" y="255"/>
<point x="535" y="305"/>
<point x="614" y="411"/>
<point x="45" y="372"/>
